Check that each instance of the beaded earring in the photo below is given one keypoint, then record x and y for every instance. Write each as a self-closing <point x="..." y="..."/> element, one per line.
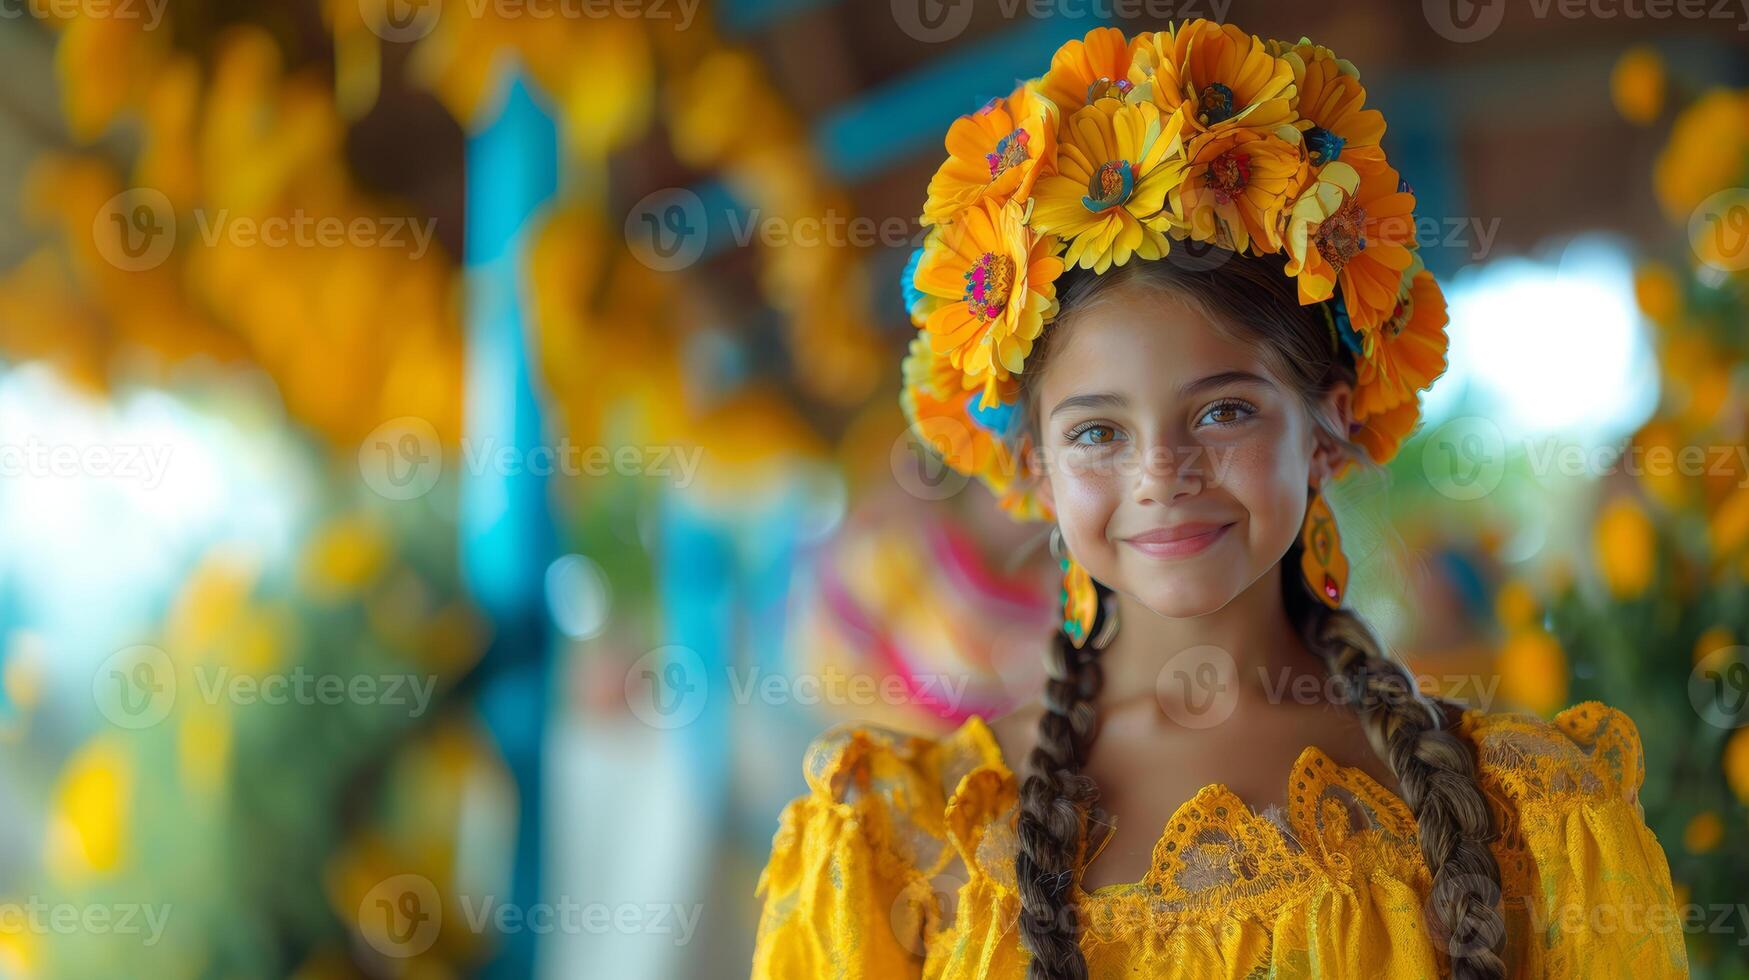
<point x="1079" y="599"/>
<point x="1321" y="560"/>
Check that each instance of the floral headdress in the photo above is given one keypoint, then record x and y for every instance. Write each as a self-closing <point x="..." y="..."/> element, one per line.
<point x="1123" y="148"/>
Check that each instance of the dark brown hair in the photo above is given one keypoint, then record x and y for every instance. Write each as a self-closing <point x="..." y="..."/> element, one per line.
<point x="1257" y="302"/>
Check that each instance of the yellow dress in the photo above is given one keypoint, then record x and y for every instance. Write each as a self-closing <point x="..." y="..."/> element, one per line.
<point x="899" y="862"/>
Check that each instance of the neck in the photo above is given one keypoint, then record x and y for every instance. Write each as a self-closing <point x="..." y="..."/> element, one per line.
<point x="1249" y="643"/>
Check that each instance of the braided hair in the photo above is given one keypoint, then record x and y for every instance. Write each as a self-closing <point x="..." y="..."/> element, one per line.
<point x="1435" y="769"/>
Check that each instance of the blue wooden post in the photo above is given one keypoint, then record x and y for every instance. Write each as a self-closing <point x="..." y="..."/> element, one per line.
<point x="507" y="538"/>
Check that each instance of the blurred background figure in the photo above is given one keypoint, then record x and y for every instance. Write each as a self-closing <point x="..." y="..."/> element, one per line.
<point x="450" y="467"/>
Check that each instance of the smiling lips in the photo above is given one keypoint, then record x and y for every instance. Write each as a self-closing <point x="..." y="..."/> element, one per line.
<point x="1177" y="541"/>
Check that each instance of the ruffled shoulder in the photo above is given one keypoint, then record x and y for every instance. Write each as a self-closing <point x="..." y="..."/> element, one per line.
<point x="1588" y="751"/>
<point x="847" y="888"/>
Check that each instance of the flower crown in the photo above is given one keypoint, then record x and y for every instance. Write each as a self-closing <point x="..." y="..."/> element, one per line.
<point x="1198" y="132"/>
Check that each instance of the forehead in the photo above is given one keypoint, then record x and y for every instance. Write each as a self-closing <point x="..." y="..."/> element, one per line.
<point x="1137" y="337"/>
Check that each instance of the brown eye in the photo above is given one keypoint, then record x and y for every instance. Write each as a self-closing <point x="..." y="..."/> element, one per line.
<point x="1100" y="434"/>
<point x="1227" y="412"/>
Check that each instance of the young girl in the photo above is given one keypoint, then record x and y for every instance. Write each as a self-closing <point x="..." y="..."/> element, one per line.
<point x="1170" y="292"/>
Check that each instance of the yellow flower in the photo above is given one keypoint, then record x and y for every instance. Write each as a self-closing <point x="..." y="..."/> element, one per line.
<point x="1729" y="527"/>
<point x="1658" y="292"/>
<point x="1084" y="71"/>
<point x="1235" y="187"/>
<point x="1736" y="763"/>
<point x="1533" y="671"/>
<point x="999" y="278"/>
<point x="1223" y="77"/>
<point x="1516" y="605"/>
<point x="1115" y="165"/>
<point x="1704" y="832"/>
<point x="1000" y="151"/>
<point x="1637" y="84"/>
<point x="1407" y="352"/>
<point x="1355" y="229"/>
<point x="1625" y="547"/>
<point x="1331" y="101"/>
<point x="1708" y="149"/>
<point x="1717" y="638"/>
<point x="92" y="806"/>
<point x="344" y="556"/>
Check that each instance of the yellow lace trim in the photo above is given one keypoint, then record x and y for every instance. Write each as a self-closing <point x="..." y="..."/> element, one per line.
<point x="947" y="807"/>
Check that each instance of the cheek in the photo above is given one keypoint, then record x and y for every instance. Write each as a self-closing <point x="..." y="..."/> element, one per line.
<point x="1086" y="495"/>
<point x="1269" y="481"/>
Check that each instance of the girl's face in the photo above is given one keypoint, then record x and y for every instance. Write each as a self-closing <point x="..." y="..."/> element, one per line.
<point x="1177" y="462"/>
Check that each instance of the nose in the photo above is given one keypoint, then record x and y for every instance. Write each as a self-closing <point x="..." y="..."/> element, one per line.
<point x="1167" y="471"/>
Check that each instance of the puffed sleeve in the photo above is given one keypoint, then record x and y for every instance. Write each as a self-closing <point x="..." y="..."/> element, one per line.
<point x="1587" y="885"/>
<point x="842" y="894"/>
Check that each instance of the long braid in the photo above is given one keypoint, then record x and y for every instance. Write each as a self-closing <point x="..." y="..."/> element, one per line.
<point x="1058" y="802"/>
<point x="1435" y="772"/>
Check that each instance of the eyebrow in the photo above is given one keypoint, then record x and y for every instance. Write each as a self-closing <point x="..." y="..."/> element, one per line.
<point x="1108" y="399"/>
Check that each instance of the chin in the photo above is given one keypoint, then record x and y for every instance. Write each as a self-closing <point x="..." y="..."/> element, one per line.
<point x="1186" y="599"/>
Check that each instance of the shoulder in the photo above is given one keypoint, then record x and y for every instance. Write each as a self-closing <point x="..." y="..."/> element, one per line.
<point x="855" y="761"/>
<point x="1589" y="750"/>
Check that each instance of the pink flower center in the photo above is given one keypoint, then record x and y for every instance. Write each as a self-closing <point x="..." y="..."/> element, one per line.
<point x="1010" y="151"/>
<point x="988" y="283"/>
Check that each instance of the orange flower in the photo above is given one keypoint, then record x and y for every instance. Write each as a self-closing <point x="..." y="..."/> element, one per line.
<point x="1084" y="71"/>
<point x="1407" y="352"/>
<point x="1708" y="149"/>
<point x="999" y="151"/>
<point x="1637" y="84"/>
<point x="1382" y="434"/>
<point x="1354" y="229"/>
<point x="999" y="278"/>
<point x="1226" y="78"/>
<point x="1626" y="548"/>
<point x="1235" y="188"/>
<point x="1334" y="124"/>
<point x="1116" y="163"/>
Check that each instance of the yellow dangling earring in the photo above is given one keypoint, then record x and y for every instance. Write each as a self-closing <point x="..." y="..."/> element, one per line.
<point x="1321" y="560"/>
<point x="1080" y="601"/>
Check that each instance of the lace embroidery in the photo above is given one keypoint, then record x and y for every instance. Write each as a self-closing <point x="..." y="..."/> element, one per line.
<point x="950" y="811"/>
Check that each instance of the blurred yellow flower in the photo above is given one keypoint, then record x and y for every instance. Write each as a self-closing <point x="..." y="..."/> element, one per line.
<point x="1736" y="763"/>
<point x="90" y="811"/>
<point x="1658" y="292"/>
<point x="1708" y="148"/>
<point x="203" y="746"/>
<point x="1624" y="543"/>
<point x="1729" y="526"/>
<point x="1665" y="484"/>
<point x="1704" y="832"/>
<point x="1516" y="605"/>
<point x="1533" y="671"/>
<point x="1713" y="639"/>
<point x="1637" y="84"/>
<point x="345" y="556"/>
